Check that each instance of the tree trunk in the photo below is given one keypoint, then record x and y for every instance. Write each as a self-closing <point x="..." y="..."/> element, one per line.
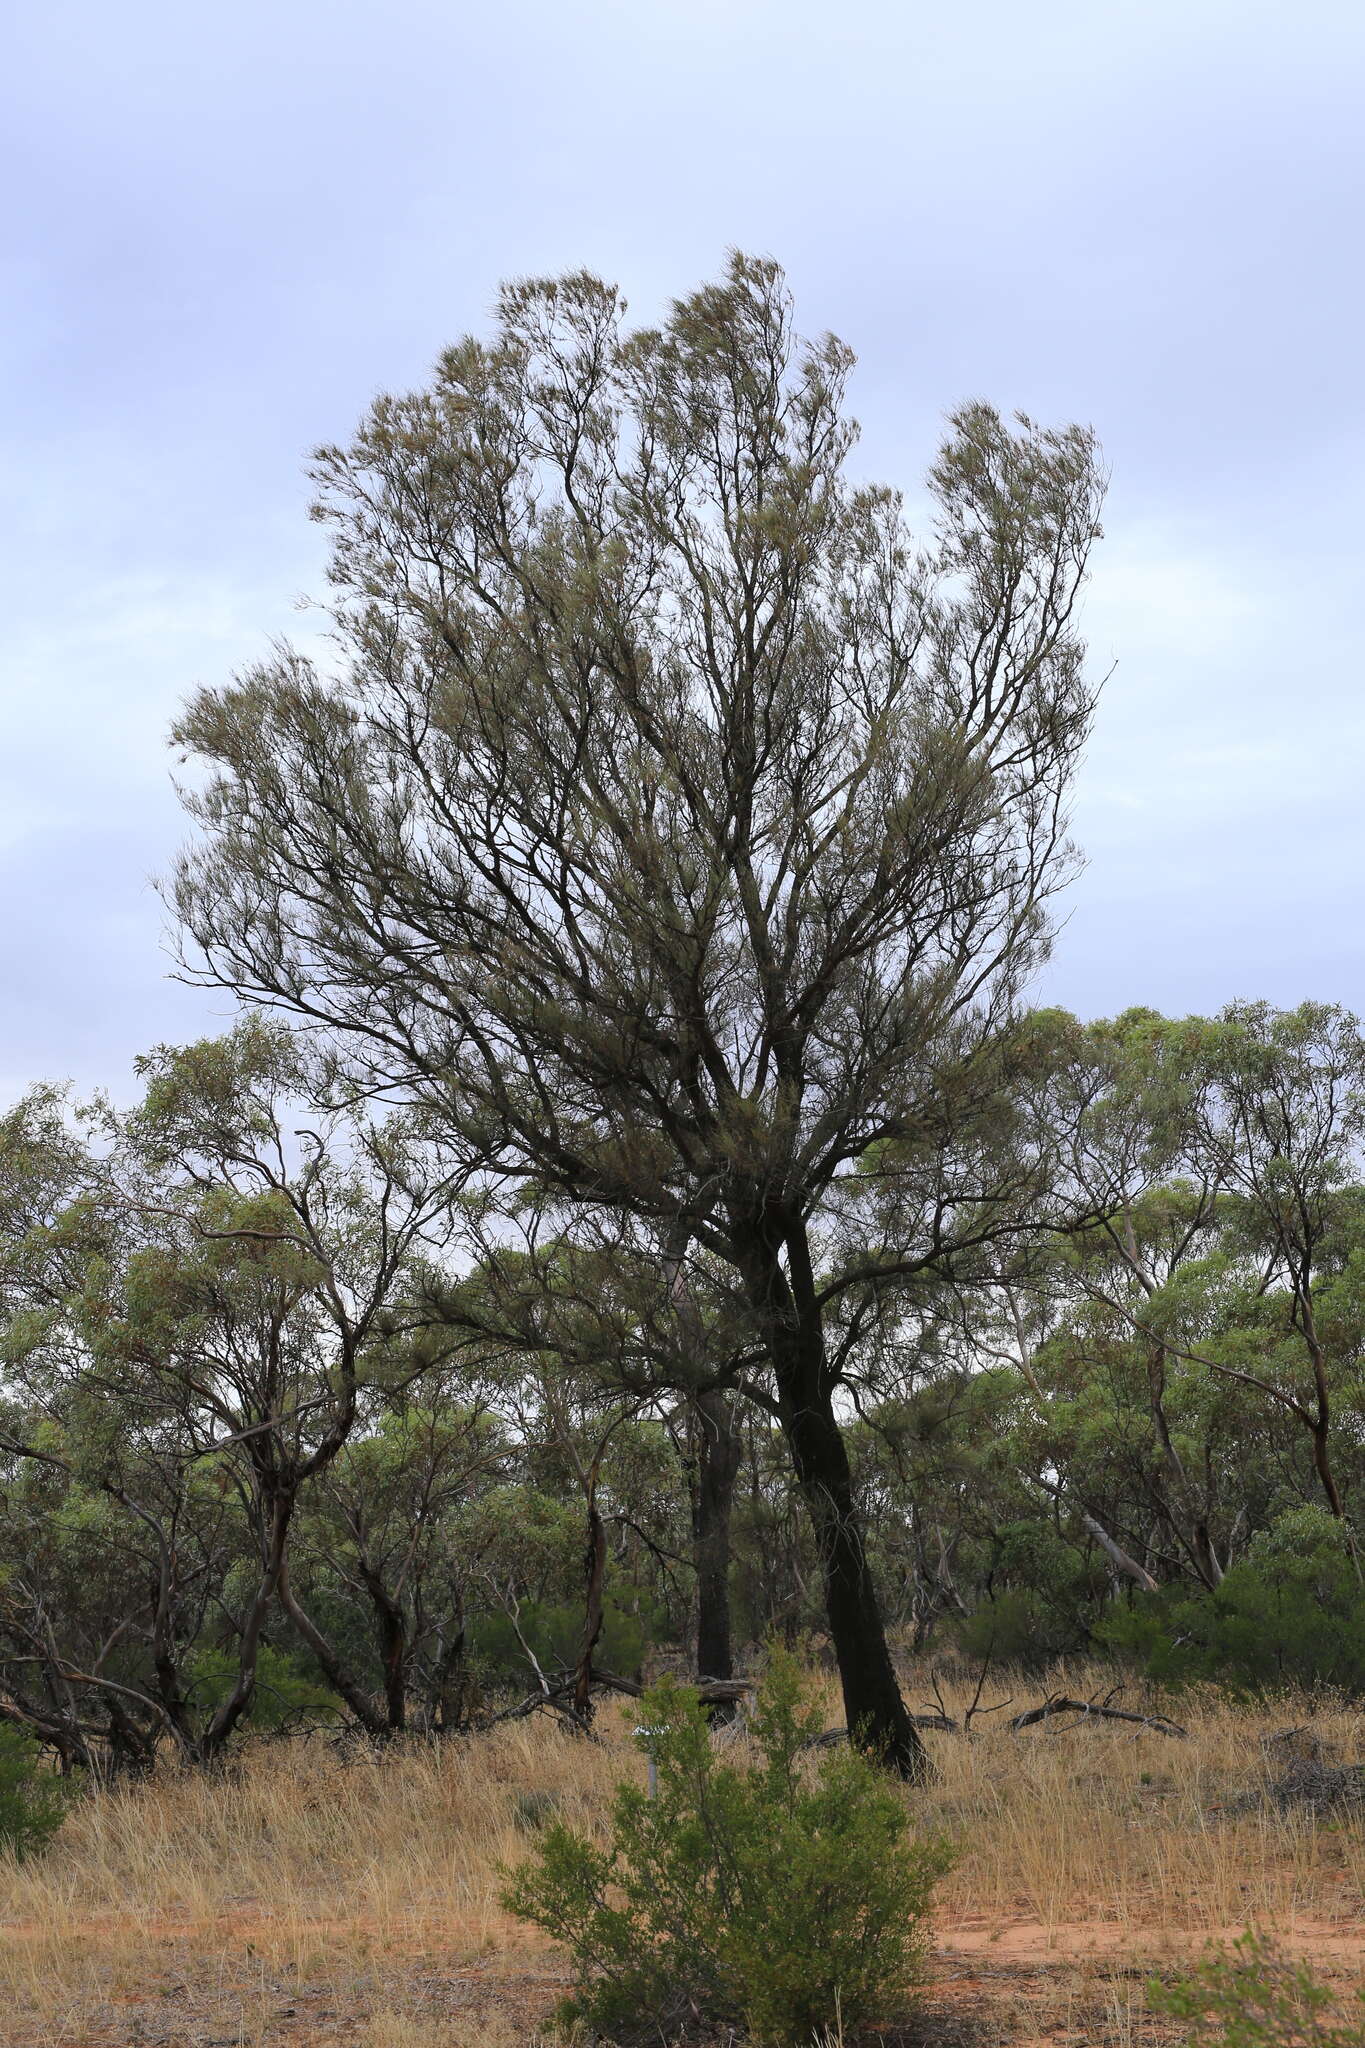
<point x="164" y="1660"/>
<point x="717" y="1471"/>
<point x="392" y="1631"/>
<point x="1125" y="1565"/>
<point x="595" y="1571"/>
<point x="215" y="1737"/>
<point x="451" y="1692"/>
<point x="1196" y="1539"/>
<point x="875" y="1712"/>
<point x="333" y="1670"/>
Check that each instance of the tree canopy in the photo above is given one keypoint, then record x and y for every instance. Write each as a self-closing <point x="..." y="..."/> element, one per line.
<point x="680" y="830"/>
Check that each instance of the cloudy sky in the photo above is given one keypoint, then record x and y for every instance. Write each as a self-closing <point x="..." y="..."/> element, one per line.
<point x="229" y="227"/>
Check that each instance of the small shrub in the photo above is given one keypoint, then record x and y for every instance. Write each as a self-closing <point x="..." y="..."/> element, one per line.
<point x="785" y="1893"/>
<point x="1253" y="1997"/>
<point x="32" y="1804"/>
<point x="1291" y="1612"/>
<point x="555" y="1635"/>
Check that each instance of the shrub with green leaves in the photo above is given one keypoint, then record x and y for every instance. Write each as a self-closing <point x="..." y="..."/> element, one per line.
<point x="1251" y="1996"/>
<point x="1292" y="1612"/>
<point x="783" y="1890"/>
<point x="284" y="1692"/>
<point x="32" y="1803"/>
<point x="497" y="1646"/>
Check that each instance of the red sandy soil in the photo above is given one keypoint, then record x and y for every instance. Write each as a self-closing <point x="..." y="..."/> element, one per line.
<point x="1015" y="1984"/>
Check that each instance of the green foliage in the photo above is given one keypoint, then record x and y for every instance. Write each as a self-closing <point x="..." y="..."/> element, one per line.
<point x="1020" y="1626"/>
<point x="1253" y="1997"/>
<point x="1292" y="1612"/>
<point x="555" y="1637"/>
<point x="283" y="1693"/>
<point x="1042" y="1590"/>
<point x="32" y="1802"/>
<point x="783" y="1893"/>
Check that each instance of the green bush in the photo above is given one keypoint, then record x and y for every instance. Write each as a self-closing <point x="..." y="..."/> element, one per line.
<point x="555" y="1636"/>
<point x="1021" y="1628"/>
<point x="1292" y="1612"/>
<point x="784" y="1893"/>
<point x="1043" y="1593"/>
<point x="32" y="1803"/>
<point x="1253" y="1997"/>
<point x="284" y="1693"/>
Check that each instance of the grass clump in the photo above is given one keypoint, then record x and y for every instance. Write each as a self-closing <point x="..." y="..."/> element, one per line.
<point x="1252" y="1996"/>
<point x="780" y="1891"/>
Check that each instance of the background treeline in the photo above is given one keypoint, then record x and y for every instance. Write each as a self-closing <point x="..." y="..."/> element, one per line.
<point x="296" y="1431"/>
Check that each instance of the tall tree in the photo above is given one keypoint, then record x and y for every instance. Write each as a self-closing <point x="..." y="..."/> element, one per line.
<point x="678" y="829"/>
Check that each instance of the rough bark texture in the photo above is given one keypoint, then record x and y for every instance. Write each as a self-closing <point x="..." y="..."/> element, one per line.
<point x="717" y="1470"/>
<point x="876" y="1714"/>
<point x="392" y="1634"/>
<point x="595" y="1571"/>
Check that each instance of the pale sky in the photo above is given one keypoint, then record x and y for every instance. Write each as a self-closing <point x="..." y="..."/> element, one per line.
<point x="228" y="228"/>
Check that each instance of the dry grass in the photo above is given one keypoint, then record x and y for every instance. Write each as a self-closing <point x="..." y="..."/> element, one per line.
<point x="1125" y="1827"/>
<point x="313" y="1898"/>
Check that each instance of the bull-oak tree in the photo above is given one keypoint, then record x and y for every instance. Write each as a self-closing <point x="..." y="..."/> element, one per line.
<point x="674" y="827"/>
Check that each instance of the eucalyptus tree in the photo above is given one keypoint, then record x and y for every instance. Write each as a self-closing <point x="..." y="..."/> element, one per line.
<point x="677" y="828"/>
<point x="1125" y="1420"/>
<point x="191" y="1341"/>
<point x="380" y="1543"/>
<point x="1214" y="1167"/>
<point x="99" y="1545"/>
<point x="273" y="1306"/>
<point x="1278" y="1113"/>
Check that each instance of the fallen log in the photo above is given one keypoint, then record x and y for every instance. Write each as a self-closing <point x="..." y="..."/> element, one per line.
<point x="1094" y="1710"/>
<point x="712" y="1692"/>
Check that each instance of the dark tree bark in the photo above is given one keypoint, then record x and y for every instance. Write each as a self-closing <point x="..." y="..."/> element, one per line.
<point x="335" y="1672"/>
<point x="595" y="1572"/>
<point x="392" y="1632"/>
<point x="713" y="1501"/>
<point x="876" y="1713"/>
<point x="450" y="1692"/>
<point x="877" y="1717"/>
